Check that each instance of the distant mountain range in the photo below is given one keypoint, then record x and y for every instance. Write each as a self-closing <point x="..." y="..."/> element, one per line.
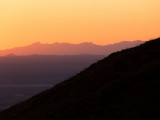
<point x="123" y="86"/>
<point x="69" y="49"/>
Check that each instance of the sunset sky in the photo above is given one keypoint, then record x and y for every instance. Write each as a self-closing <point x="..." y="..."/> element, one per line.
<point x="23" y="22"/>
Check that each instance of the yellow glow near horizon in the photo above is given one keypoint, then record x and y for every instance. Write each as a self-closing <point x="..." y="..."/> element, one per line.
<point x="23" y="22"/>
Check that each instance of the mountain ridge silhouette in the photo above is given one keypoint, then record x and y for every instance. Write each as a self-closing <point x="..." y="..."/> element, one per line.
<point x="69" y="49"/>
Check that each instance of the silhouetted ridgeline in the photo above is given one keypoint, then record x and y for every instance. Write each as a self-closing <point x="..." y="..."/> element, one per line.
<point x="123" y="86"/>
<point x="70" y="49"/>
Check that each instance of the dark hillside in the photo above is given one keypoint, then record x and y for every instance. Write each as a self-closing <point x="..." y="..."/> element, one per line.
<point x="123" y="86"/>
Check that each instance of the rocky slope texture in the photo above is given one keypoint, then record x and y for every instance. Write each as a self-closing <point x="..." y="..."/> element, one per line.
<point x="123" y="86"/>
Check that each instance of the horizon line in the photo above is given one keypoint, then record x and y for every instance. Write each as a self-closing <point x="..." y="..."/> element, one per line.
<point x="41" y="43"/>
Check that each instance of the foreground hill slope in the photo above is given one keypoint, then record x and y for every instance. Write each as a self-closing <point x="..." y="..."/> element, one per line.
<point x="123" y="86"/>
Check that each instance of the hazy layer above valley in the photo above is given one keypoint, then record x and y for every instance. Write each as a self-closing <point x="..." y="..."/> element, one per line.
<point x="42" y="69"/>
<point x="24" y="76"/>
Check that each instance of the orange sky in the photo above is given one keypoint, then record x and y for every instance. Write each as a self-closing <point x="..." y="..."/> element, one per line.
<point x="23" y="22"/>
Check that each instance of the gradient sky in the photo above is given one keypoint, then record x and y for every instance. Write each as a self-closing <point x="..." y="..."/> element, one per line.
<point x="23" y="22"/>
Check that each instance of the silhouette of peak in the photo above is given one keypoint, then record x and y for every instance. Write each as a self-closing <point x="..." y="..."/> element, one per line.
<point x="64" y="43"/>
<point x="154" y="44"/>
